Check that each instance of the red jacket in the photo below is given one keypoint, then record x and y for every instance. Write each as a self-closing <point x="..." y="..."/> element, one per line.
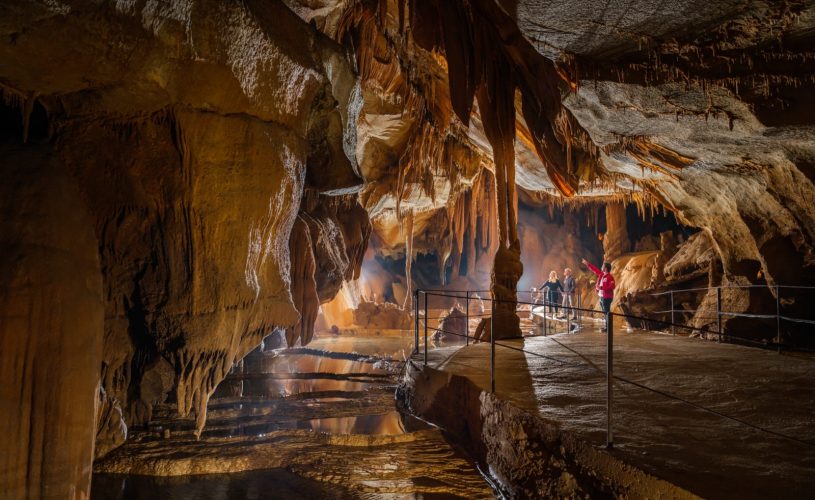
<point x="605" y="283"/>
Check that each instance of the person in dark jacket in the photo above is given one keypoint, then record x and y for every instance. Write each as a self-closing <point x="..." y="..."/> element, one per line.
<point x="605" y="286"/>
<point x="569" y="287"/>
<point x="553" y="288"/>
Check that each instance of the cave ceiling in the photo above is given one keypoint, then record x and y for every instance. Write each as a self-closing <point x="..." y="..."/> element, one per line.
<point x="684" y="104"/>
<point x="653" y="102"/>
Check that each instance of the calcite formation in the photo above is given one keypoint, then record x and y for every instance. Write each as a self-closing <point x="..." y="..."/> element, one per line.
<point x="203" y="174"/>
<point x="52" y="317"/>
<point x="192" y="144"/>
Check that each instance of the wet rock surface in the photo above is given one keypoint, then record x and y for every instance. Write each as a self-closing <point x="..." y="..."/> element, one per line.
<point x="299" y="409"/>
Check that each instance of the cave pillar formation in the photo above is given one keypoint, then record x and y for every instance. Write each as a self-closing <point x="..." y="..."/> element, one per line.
<point x="51" y="324"/>
<point x="615" y="242"/>
<point x="499" y="119"/>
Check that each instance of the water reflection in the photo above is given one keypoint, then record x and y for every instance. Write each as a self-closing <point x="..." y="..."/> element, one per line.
<point x="337" y="386"/>
<point x="391" y="423"/>
<point x="263" y="484"/>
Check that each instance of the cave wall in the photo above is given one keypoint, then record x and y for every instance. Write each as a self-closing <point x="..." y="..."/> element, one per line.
<point x="51" y="322"/>
<point x="187" y="134"/>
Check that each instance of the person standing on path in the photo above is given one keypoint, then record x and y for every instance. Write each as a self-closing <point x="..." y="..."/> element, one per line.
<point x="569" y="286"/>
<point x="553" y="287"/>
<point x="605" y="287"/>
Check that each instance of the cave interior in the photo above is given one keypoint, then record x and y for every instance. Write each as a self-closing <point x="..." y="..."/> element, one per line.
<point x="191" y="189"/>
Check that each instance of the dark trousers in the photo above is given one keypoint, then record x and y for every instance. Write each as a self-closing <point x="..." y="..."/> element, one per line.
<point x="552" y="300"/>
<point x="605" y="306"/>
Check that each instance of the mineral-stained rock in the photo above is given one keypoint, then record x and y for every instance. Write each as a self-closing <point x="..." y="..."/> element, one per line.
<point x="192" y="129"/>
<point x="51" y="315"/>
<point x="453" y="326"/>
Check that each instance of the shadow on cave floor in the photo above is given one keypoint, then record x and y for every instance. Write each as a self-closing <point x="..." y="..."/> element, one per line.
<point x="312" y="422"/>
<point x="697" y="450"/>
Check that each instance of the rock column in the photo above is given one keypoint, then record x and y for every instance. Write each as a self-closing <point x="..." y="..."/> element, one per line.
<point x="615" y="242"/>
<point x="51" y="328"/>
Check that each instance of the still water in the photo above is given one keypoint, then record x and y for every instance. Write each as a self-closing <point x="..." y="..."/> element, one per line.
<point x="341" y="387"/>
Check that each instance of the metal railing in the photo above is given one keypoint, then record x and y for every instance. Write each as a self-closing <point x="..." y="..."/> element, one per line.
<point x="609" y="317"/>
<point x="720" y="314"/>
<point x="610" y="378"/>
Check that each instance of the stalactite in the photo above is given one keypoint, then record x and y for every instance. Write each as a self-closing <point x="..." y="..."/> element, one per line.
<point x="303" y="285"/>
<point x="22" y="102"/>
<point x="197" y="374"/>
<point x="27" y="109"/>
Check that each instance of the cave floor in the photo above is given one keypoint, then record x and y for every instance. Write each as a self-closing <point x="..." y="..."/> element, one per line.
<point x="700" y="451"/>
<point x="313" y="422"/>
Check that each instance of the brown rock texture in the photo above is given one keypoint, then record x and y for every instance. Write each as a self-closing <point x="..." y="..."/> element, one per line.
<point x="615" y="241"/>
<point x="188" y="133"/>
<point x="52" y="316"/>
<point x="221" y="167"/>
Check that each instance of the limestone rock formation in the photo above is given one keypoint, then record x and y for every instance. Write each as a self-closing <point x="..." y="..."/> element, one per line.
<point x="203" y="174"/>
<point x="615" y="241"/>
<point x="453" y="326"/>
<point x="52" y="317"/>
<point x="187" y="133"/>
<point x="381" y="315"/>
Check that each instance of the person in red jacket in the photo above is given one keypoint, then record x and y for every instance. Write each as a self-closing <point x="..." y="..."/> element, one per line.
<point x="604" y="286"/>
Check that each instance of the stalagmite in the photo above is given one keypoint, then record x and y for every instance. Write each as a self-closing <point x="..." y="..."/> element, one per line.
<point x="615" y="240"/>
<point x="408" y="231"/>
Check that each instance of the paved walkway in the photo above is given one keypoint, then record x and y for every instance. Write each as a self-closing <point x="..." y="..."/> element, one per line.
<point x="706" y="453"/>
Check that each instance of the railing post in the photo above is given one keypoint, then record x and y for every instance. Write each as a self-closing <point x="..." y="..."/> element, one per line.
<point x="609" y="377"/>
<point x="416" y="321"/>
<point x="579" y="306"/>
<point x="719" y="311"/>
<point x="492" y="346"/>
<point x="425" y="328"/>
<point x="778" y="318"/>
<point x="673" y="317"/>
<point x="467" y="330"/>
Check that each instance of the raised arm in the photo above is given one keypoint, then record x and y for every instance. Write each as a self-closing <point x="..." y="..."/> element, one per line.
<point x="592" y="268"/>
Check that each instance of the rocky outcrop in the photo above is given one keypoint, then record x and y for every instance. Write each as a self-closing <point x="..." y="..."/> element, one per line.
<point x="453" y="326"/>
<point x="381" y="315"/>
<point x="189" y="132"/>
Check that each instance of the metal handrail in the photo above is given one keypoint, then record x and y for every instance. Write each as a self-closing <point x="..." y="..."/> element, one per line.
<point x="767" y="286"/>
<point x="610" y="377"/>
<point x="719" y="313"/>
